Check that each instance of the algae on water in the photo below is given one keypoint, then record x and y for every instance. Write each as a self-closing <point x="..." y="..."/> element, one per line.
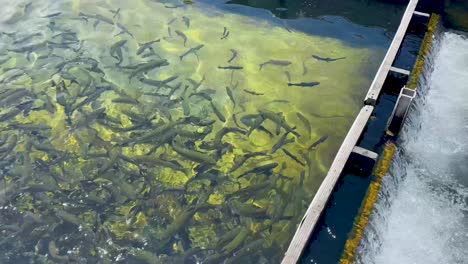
<point x="149" y="131"/>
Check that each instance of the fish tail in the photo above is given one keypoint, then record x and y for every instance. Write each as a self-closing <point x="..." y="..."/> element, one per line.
<point x="290" y="84"/>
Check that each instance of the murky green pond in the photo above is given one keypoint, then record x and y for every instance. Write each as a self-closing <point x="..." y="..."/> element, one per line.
<point x="165" y="131"/>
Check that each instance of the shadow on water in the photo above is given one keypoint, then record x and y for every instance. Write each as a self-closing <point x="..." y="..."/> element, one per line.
<point x="362" y="12"/>
<point x="358" y="23"/>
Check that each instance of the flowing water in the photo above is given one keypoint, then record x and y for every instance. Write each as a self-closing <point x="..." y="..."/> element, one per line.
<point x="422" y="215"/>
<point x="168" y="131"/>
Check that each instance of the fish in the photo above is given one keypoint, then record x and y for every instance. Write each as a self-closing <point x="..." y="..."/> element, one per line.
<point x="10" y="145"/>
<point x="62" y="45"/>
<point x="256" y="124"/>
<point x="179" y="222"/>
<point x="282" y="142"/>
<point x="225" y="33"/>
<point x="148" y="136"/>
<point x="252" y="92"/>
<point x="69" y="218"/>
<point x="61" y="94"/>
<point x="89" y="117"/>
<point x="30" y="48"/>
<point x="147" y="66"/>
<point x="52" y="15"/>
<point x="218" y="112"/>
<point x="306" y="122"/>
<point x="288" y="75"/>
<point x="251" y="190"/>
<point x="22" y="12"/>
<point x="267" y="168"/>
<point x="158" y="161"/>
<point x="55" y="254"/>
<point x="80" y="61"/>
<point x="192" y="51"/>
<point x="203" y="95"/>
<point x="13" y="77"/>
<point x="229" y="236"/>
<point x="250" y="120"/>
<point x="116" y="51"/>
<point x="103" y="19"/>
<point x="12" y="96"/>
<point x="27" y="38"/>
<point x="213" y="178"/>
<point x="67" y="35"/>
<point x="277" y="101"/>
<point x="3" y="61"/>
<point x="144" y="46"/>
<point x="327" y="59"/>
<point x="182" y="35"/>
<point x="27" y="126"/>
<point x="236" y="242"/>
<point x="281" y="63"/>
<point x="218" y="139"/>
<point x="263" y="129"/>
<point x="99" y="18"/>
<point x="317" y="143"/>
<point x="185" y="106"/>
<point x="246" y="252"/>
<point x="230" y="67"/>
<point x="289" y="154"/>
<point x="230" y="94"/>
<point x="123" y="30"/>
<point x="115" y="12"/>
<point x="197" y="134"/>
<point x="173" y="6"/>
<point x="304" y="84"/>
<point x="196" y="84"/>
<point x="279" y="120"/>
<point x="248" y="210"/>
<point x="10" y="114"/>
<point x="172" y="20"/>
<point x="234" y="55"/>
<point x="4" y="140"/>
<point x="239" y="161"/>
<point x="92" y="97"/>
<point x="186" y="21"/>
<point x="192" y="154"/>
<point x="125" y="100"/>
<point x="158" y="83"/>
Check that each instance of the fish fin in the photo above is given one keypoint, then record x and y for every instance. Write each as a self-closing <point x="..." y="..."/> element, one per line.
<point x="28" y="56"/>
<point x="278" y="129"/>
<point x="96" y="24"/>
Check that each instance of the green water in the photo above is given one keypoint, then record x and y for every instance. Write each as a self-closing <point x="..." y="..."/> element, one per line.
<point x="164" y="131"/>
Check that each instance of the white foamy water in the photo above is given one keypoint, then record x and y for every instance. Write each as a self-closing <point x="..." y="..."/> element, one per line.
<point x="422" y="213"/>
